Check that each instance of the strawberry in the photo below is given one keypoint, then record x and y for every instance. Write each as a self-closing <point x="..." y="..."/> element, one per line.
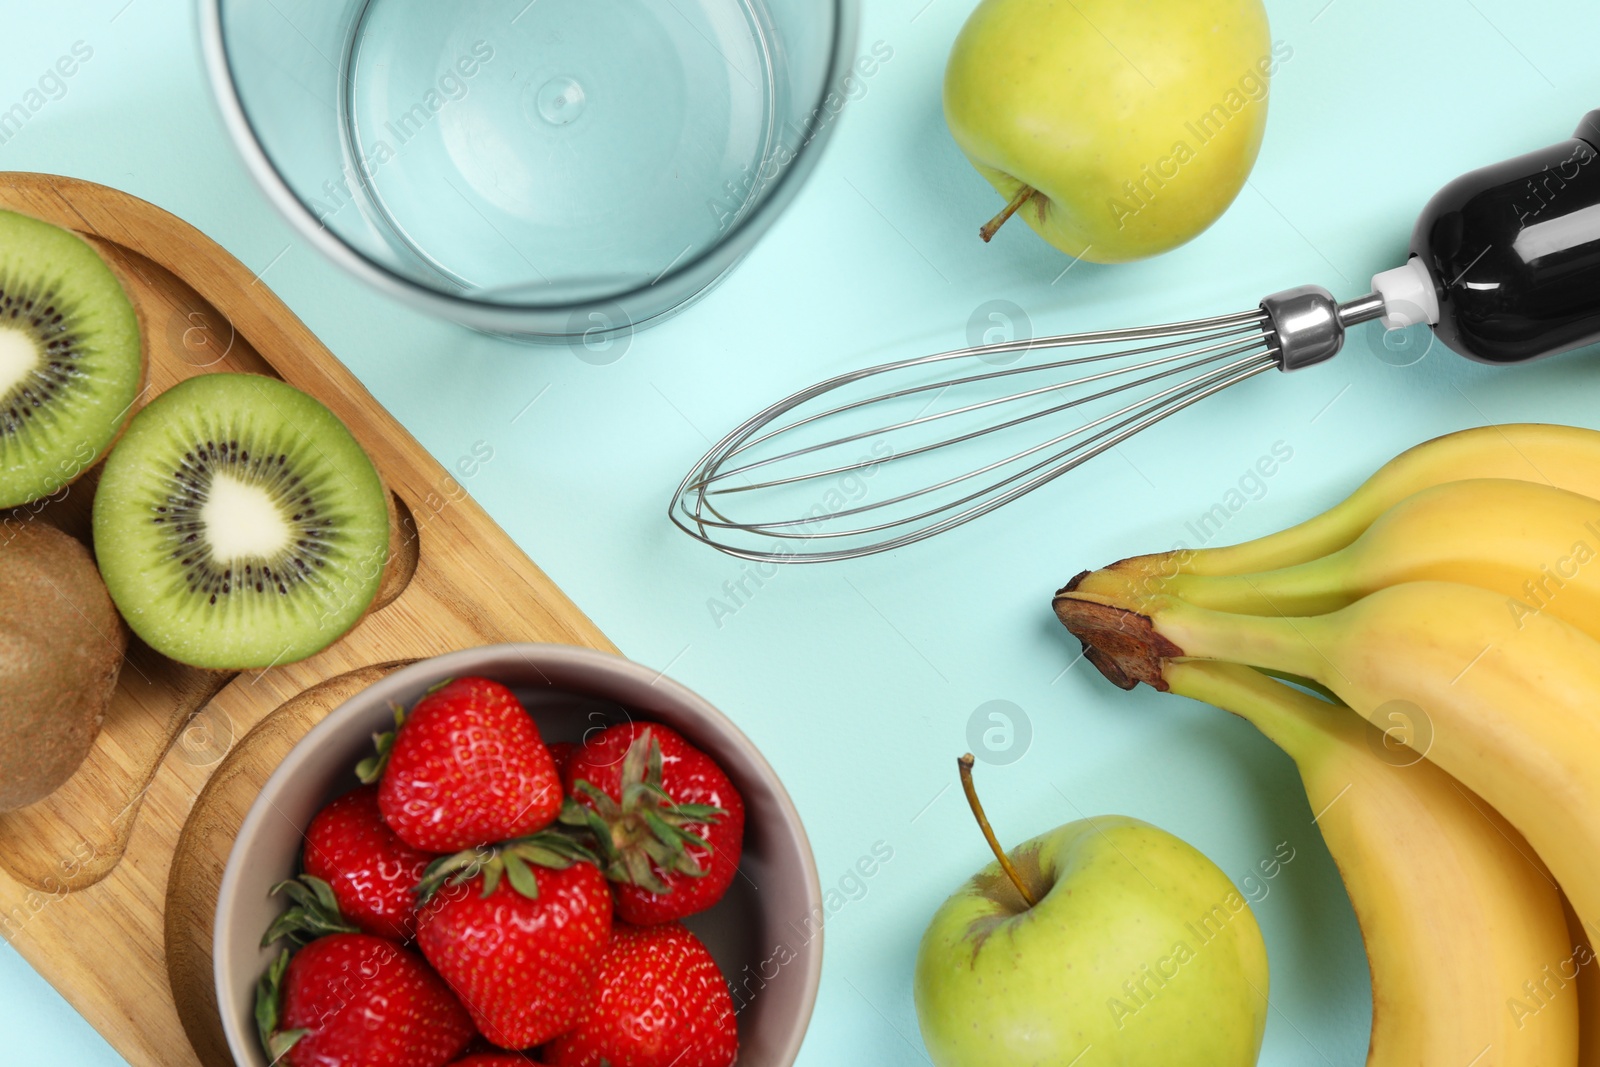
<point x="466" y="767"/>
<point x="354" y="1000"/>
<point x="659" y="1001"/>
<point x="495" y="1059"/>
<point x="515" y="932"/>
<point x="372" y="872"/>
<point x="668" y="824"/>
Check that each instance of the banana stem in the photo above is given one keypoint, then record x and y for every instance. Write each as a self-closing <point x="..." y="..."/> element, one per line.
<point x="1314" y="588"/>
<point x="1320" y="536"/>
<point x="964" y="763"/>
<point x="992" y="227"/>
<point x="1279" y="644"/>
<point x="1293" y="720"/>
<point x="1129" y="579"/>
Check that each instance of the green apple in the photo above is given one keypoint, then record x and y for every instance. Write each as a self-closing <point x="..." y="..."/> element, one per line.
<point x="1138" y="952"/>
<point x="1120" y="129"/>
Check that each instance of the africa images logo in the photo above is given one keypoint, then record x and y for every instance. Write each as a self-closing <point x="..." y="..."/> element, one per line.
<point x="1250" y="90"/>
<point x="451" y="86"/>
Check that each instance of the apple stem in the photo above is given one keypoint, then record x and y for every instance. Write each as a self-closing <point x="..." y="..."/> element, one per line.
<point x="991" y="227"/>
<point x="965" y="765"/>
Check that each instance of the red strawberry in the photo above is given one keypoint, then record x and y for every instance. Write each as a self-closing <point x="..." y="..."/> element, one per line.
<point x="496" y="1059"/>
<point x="373" y="873"/>
<point x="516" y="935"/>
<point x="659" y="1001"/>
<point x="668" y="823"/>
<point x="354" y="1000"/>
<point x="466" y="767"/>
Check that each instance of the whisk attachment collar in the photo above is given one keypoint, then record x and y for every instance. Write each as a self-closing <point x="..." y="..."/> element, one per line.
<point x="1306" y="325"/>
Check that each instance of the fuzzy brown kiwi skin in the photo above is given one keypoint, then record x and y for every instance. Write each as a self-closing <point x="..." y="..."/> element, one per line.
<point x="400" y="566"/>
<point x="61" y="650"/>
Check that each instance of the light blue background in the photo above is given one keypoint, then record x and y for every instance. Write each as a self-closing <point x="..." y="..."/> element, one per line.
<point x="858" y="680"/>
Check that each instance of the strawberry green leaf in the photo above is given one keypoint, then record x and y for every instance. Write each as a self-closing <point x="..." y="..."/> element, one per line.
<point x="637" y="869"/>
<point x="573" y="813"/>
<point x="701" y="813"/>
<point x="313" y="912"/>
<point x="371" y="769"/>
<point x="269" y="998"/>
<point x="512" y="859"/>
<point x="675" y="837"/>
<point x="604" y="806"/>
<point x="542" y="857"/>
<point x="282" y="1041"/>
<point x="645" y="831"/>
<point x="520" y="877"/>
<point x="642" y="762"/>
<point x="450" y="870"/>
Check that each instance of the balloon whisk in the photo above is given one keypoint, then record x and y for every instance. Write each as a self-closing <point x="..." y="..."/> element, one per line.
<point x="884" y="457"/>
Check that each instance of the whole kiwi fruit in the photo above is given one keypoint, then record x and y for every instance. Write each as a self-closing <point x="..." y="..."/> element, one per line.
<point x="61" y="649"/>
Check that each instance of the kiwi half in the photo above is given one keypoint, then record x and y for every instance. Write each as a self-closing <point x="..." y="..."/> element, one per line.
<point x="61" y="648"/>
<point x="71" y="358"/>
<point x="239" y="525"/>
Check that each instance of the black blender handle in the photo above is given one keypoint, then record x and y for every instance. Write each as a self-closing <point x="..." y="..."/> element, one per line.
<point x="1514" y="253"/>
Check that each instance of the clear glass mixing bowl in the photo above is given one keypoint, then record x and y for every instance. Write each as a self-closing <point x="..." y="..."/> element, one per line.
<point x="545" y="169"/>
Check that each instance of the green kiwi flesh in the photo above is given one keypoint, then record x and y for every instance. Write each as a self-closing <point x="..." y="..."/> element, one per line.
<point x="239" y="525"/>
<point x="71" y="358"/>
<point x="61" y="649"/>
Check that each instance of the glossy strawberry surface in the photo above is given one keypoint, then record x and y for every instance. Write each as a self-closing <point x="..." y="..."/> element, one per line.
<point x="373" y="873"/>
<point x="523" y="967"/>
<point x="659" y="1001"/>
<point x="468" y="768"/>
<point x="366" y="1002"/>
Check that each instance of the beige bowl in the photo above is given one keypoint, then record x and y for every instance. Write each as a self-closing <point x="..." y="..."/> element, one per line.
<point x="765" y="934"/>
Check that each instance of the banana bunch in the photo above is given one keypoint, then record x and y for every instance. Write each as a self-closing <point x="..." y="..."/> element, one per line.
<point x="1455" y="594"/>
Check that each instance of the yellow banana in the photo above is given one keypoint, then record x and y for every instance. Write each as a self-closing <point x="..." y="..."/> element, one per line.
<point x="1455" y="910"/>
<point x="1580" y="968"/>
<point x="1536" y="545"/>
<point x="1508" y="705"/>
<point x="1567" y="457"/>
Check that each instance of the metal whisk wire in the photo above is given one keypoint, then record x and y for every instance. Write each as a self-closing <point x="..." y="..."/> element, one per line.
<point x="1206" y="355"/>
<point x="1254" y="325"/>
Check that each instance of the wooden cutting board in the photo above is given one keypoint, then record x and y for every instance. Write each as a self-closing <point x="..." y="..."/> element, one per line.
<point x="107" y="887"/>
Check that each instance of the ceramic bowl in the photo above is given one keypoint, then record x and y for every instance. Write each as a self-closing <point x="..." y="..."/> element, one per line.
<point x="765" y="933"/>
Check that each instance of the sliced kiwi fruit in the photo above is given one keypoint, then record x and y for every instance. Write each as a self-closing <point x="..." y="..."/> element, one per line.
<point x="61" y="649"/>
<point x="239" y="525"/>
<point x="71" y="358"/>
